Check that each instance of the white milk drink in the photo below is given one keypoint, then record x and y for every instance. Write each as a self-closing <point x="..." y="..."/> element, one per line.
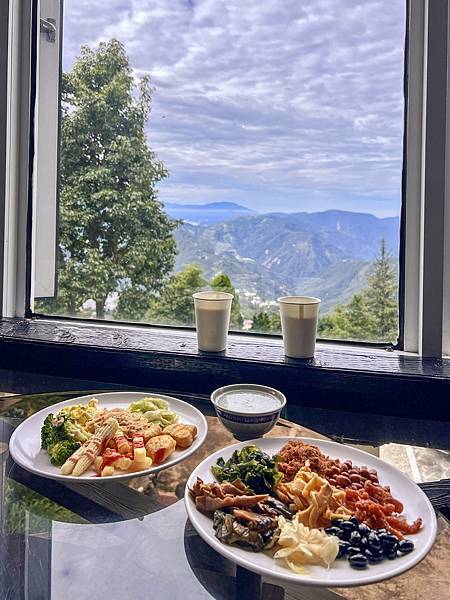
<point x="299" y="315"/>
<point x="212" y="319"/>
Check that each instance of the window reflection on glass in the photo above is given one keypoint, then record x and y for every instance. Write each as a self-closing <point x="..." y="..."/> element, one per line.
<point x="244" y="147"/>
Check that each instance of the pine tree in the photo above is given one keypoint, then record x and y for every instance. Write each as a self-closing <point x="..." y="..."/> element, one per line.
<point x="381" y="298"/>
<point x="371" y="315"/>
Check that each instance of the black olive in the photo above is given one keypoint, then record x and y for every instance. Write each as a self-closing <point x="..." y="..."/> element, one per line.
<point x="358" y="561"/>
<point x="343" y="535"/>
<point x="374" y="557"/>
<point x="336" y="522"/>
<point x="343" y="549"/>
<point x="351" y="550"/>
<point x="382" y="530"/>
<point x="347" y="526"/>
<point x="374" y="540"/>
<point x="332" y="530"/>
<point x="391" y="538"/>
<point x="355" y="538"/>
<point x="388" y="541"/>
<point x="390" y="553"/>
<point x="354" y="520"/>
<point x="406" y="546"/>
<point x="364" y="543"/>
<point x="364" y="529"/>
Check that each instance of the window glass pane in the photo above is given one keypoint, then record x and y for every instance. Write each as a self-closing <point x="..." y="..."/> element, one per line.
<point x="244" y="146"/>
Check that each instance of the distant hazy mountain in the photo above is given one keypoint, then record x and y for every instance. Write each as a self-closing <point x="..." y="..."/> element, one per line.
<point x="206" y="214"/>
<point x="328" y="254"/>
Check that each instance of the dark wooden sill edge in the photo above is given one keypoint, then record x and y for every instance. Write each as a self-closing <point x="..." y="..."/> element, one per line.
<point x="240" y="348"/>
<point x="369" y="380"/>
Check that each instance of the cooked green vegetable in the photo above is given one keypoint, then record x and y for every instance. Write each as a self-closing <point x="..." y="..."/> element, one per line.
<point x="155" y="410"/>
<point x="261" y="533"/>
<point x="252" y="466"/>
<point x="61" y="451"/>
<point x="59" y="428"/>
<point x="61" y="437"/>
<point x="50" y="433"/>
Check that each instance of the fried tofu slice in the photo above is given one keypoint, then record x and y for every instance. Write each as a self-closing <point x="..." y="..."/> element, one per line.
<point x="159" y="448"/>
<point x="183" y="434"/>
<point x="152" y="430"/>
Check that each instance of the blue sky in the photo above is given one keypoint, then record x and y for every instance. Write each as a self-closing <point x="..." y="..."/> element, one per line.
<point x="281" y="105"/>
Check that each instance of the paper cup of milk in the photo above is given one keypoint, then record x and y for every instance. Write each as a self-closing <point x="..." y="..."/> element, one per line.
<point x="299" y="316"/>
<point x="212" y="319"/>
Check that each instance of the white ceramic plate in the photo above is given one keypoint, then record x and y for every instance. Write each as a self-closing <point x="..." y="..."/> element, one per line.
<point x="340" y="573"/>
<point x="25" y="442"/>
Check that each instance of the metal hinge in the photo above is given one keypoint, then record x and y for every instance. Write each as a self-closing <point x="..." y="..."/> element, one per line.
<point x="48" y="26"/>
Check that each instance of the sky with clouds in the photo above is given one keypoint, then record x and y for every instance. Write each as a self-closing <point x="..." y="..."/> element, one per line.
<point x="281" y="105"/>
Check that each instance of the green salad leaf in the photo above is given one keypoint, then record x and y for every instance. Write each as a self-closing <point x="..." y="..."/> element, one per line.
<point x="155" y="410"/>
<point x="252" y="466"/>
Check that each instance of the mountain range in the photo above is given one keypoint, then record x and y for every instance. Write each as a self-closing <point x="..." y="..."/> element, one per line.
<point x="327" y="254"/>
<point x="207" y="214"/>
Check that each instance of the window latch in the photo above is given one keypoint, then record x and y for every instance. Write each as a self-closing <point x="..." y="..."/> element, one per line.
<point x="48" y="26"/>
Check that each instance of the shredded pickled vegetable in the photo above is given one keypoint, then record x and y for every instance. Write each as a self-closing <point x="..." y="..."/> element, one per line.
<point x="300" y="546"/>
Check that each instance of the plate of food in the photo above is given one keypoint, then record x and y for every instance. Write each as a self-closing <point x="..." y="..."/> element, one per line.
<point x="309" y="511"/>
<point x="114" y="435"/>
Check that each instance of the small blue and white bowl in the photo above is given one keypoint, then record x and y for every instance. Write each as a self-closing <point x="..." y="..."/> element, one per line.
<point x="248" y="410"/>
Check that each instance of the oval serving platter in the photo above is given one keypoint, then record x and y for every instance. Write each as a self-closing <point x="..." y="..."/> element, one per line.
<point x="25" y="442"/>
<point x="340" y="574"/>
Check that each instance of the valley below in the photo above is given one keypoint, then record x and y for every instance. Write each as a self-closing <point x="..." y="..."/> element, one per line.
<point x="326" y="254"/>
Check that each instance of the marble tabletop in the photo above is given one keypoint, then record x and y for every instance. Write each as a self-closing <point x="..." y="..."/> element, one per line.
<point x="122" y="539"/>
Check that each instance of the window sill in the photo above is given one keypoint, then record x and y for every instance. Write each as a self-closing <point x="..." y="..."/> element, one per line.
<point x="358" y="379"/>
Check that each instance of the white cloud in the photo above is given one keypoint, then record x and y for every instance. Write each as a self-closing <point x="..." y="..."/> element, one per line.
<point x="280" y="96"/>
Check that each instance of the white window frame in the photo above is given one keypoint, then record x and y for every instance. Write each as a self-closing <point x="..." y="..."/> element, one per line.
<point x="43" y="280"/>
<point x="14" y="194"/>
<point x="4" y="45"/>
<point x="427" y="170"/>
<point x="426" y="310"/>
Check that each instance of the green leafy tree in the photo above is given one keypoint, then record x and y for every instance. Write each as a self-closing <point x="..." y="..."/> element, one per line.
<point x="222" y="283"/>
<point x="351" y="321"/>
<point x="175" y="305"/>
<point x="261" y="322"/>
<point x="371" y="314"/>
<point x="114" y="234"/>
<point x="265" y="322"/>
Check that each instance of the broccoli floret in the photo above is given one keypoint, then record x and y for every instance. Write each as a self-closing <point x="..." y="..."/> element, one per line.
<point x="53" y="430"/>
<point x="47" y="432"/>
<point x="61" y="451"/>
<point x="60" y="428"/>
